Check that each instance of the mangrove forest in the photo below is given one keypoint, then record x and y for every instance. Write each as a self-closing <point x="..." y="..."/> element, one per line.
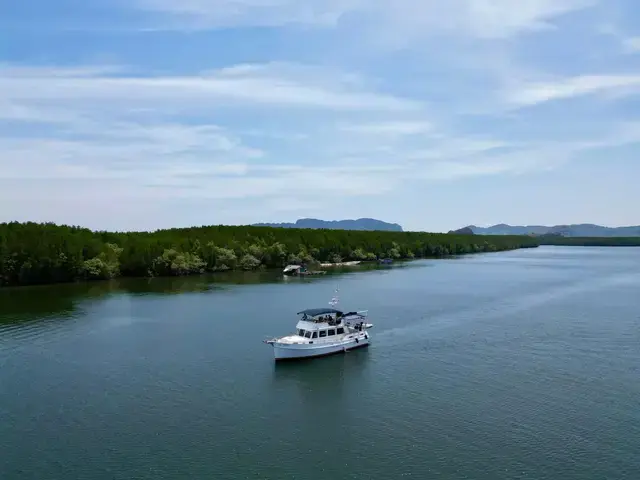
<point x="41" y="253"/>
<point x="559" y="240"/>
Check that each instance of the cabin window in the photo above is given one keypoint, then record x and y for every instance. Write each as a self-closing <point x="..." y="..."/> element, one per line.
<point x="307" y="334"/>
<point x="332" y="332"/>
<point x="323" y="333"/>
<point x="340" y="330"/>
<point x="315" y="335"/>
<point x="301" y="332"/>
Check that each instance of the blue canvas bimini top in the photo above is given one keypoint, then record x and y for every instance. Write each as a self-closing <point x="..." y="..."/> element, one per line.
<point x="314" y="312"/>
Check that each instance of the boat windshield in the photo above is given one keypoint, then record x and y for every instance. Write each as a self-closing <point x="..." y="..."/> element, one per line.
<point x="305" y="333"/>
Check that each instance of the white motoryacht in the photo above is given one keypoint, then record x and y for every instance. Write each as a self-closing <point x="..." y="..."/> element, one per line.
<point x="323" y="331"/>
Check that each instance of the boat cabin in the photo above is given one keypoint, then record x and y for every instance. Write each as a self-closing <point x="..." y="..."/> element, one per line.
<point x="321" y="332"/>
<point x="321" y="323"/>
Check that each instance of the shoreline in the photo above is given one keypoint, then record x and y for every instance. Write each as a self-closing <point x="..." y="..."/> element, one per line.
<point x="275" y="272"/>
<point x="46" y="253"/>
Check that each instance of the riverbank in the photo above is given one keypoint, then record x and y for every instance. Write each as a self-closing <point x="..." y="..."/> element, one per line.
<point x="559" y="241"/>
<point x="45" y="253"/>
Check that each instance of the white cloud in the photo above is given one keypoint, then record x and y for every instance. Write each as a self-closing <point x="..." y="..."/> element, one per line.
<point x="112" y="158"/>
<point x="406" y="18"/>
<point x="398" y="128"/>
<point x="536" y="93"/>
<point x="628" y="44"/>
<point x="619" y="134"/>
<point x="461" y="158"/>
<point x="270" y="85"/>
<point x="30" y="71"/>
<point x="485" y="19"/>
<point x="94" y="142"/>
<point x="105" y="133"/>
<point x="17" y="112"/>
<point x="132" y="133"/>
<point x="224" y="13"/>
<point x="458" y="147"/>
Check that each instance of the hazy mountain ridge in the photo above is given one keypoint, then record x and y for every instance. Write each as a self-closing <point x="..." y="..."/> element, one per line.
<point x="357" y="224"/>
<point x="573" y="230"/>
<point x="462" y="231"/>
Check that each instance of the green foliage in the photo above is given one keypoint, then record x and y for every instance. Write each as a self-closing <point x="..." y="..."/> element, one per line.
<point x="335" y="258"/>
<point x="224" y="259"/>
<point x="589" y="241"/>
<point x="358" y="254"/>
<point x="172" y="262"/>
<point x="104" y="266"/>
<point x="249" y="262"/>
<point x="32" y="253"/>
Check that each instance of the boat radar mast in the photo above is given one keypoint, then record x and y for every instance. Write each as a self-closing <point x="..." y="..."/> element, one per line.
<point x="334" y="300"/>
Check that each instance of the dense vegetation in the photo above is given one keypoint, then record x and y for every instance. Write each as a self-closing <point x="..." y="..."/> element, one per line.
<point x="589" y="241"/>
<point x="33" y="253"/>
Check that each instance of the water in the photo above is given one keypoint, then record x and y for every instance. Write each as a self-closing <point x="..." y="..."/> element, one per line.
<point x="517" y="365"/>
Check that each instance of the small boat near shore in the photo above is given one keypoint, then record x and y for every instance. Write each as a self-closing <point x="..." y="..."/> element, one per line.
<point x="321" y="332"/>
<point x="300" y="271"/>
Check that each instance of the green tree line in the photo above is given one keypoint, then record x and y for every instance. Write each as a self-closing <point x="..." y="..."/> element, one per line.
<point x="40" y="253"/>
<point x="589" y="241"/>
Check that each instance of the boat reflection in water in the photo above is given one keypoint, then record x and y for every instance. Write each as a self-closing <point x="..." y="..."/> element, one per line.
<point x="326" y="378"/>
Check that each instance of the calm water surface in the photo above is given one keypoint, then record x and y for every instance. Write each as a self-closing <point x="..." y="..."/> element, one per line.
<point x="518" y="365"/>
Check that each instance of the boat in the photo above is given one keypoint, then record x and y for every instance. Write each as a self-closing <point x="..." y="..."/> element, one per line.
<point x="300" y="270"/>
<point x="321" y="332"/>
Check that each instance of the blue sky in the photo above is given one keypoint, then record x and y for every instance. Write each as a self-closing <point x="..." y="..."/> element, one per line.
<point x="144" y="114"/>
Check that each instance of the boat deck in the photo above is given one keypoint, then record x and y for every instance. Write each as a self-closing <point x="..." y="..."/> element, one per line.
<point x="292" y="340"/>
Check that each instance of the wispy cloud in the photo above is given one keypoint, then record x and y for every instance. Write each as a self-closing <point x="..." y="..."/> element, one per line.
<point x="225" y="13"/>
<point x="406" y="18"/>
<point x="536" y="93"/>
<point x="398" y="128"/>
<point x="629" y="44"/>
<point x="125" y="128"/>
<point x="106" y="132"/>
<point x="269" y="85"/>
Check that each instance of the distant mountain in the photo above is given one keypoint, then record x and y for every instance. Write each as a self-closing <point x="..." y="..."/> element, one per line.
<point x="462" y="231"/>
<point x="575" y="230"/>
<point x="359" y="224"/>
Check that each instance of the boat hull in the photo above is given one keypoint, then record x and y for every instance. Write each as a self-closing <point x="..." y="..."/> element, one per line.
<point x="303" y="351"/>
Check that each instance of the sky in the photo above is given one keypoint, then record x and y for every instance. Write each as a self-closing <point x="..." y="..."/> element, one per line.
<point x="146" y="114"/>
